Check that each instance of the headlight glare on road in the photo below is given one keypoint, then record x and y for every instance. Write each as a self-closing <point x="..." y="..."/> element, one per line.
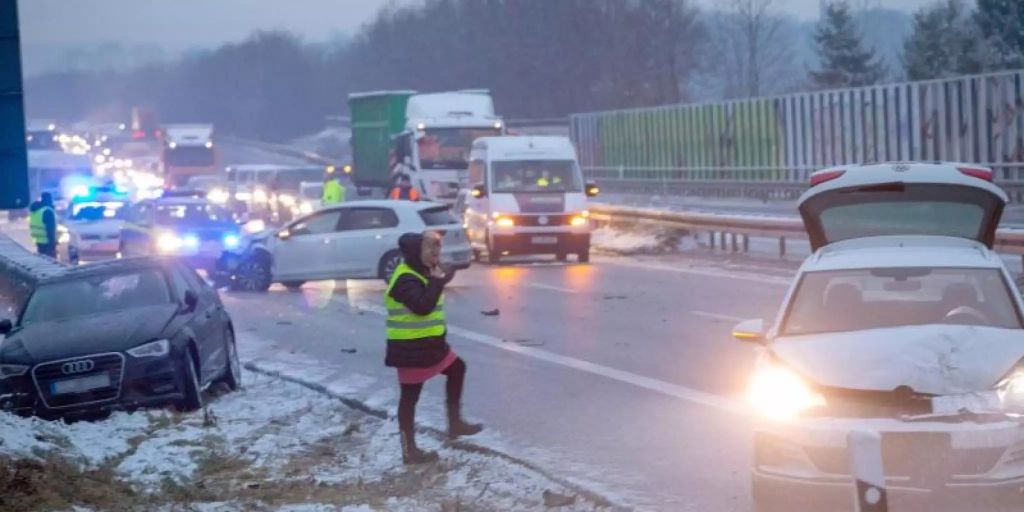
<point x="778" y="393"/>
<point x="231" y="241"/>
<point x="152" y="349"/>
<point x="12" y="370"/>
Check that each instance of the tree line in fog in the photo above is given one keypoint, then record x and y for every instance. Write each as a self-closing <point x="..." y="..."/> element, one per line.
<point x="540" y="59"/>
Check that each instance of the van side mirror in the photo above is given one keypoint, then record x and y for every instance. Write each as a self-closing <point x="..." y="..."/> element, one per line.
<point x="6" y="326"/>
<point x="750" y="331"/>
<point x="190" y="301"/>
<point x="479" y="191"/>
<point x="592" y="189"/>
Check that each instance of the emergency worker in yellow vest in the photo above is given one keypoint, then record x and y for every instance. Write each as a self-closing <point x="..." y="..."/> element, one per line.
<point x="42" y="225"/>
<point x="416" y="330"/>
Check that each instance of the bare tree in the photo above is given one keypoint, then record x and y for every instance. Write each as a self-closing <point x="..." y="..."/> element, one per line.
<point x="753" y="51"/>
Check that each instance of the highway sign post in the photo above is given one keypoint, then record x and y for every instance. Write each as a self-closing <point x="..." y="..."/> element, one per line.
<point x="13" y="157"/>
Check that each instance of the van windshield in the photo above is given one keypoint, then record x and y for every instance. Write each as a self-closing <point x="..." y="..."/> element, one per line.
<point x="536" y="176"/>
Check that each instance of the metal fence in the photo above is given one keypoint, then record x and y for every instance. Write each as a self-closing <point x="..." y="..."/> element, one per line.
<point x="773" y="143"/>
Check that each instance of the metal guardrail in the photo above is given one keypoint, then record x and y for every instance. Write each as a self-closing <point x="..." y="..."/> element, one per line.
<point x="20" y="269"/>
<point x="281" y="149"/>
<point x="735" y="230"/>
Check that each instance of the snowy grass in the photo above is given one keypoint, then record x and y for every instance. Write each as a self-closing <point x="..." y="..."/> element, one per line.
<point x="275" y="445"/>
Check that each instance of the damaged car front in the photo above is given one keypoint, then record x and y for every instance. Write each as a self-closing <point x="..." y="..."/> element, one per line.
<point x="911" y="330"/>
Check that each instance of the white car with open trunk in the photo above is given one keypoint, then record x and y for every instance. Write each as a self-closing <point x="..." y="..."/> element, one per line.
<point x="903" y="322"/>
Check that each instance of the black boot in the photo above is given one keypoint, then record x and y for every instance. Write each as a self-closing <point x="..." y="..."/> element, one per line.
<point x="458" y="428"/>
<point x="413" y="455"/>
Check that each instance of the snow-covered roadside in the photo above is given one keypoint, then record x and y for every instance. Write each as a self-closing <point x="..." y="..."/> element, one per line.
<point x="639" y="240"/>
<point x="275" y="445"/>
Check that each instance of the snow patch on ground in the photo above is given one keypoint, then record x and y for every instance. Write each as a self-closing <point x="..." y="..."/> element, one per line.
<point x="639" y="240"/>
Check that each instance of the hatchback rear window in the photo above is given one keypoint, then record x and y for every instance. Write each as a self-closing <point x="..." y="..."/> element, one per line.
<point x="439" y="216"/>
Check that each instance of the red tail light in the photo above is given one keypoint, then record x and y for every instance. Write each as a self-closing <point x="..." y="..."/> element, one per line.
<point x="822" y="176"/>
<point x="977" y="172"/>
<point x="138" y="134"/>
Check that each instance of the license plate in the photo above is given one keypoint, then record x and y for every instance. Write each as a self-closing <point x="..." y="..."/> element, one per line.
<point x="544" y="240"/>
<point x="974" y="402"/>
<point x="80" y="385"/>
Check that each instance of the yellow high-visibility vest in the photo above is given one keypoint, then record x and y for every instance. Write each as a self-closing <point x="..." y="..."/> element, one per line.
<point x="403" y="324"/>
<point x="37" y="227"/>
<point x="334" y="192"/>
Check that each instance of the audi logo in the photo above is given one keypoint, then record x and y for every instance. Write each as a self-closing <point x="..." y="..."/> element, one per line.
<point x="73" y="367"/>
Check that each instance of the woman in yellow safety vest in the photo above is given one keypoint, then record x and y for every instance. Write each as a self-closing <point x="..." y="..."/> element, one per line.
<point x="416" y="329"/>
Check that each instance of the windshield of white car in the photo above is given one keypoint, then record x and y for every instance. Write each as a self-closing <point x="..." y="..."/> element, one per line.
<point x="861" y="299"/>
<point x="96" y="295"/>
<point x="96" y="210"/>
<point x="516" y="176"/>
<point x="190" y="214"/>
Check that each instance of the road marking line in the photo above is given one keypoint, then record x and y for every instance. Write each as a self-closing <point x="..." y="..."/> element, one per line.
<point x="651" y="384"/>
<point x="552" y="288"/>
<point x="706" y="272"/>
<point x="717" y="316"/>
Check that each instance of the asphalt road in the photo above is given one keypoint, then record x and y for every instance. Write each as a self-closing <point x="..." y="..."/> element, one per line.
<point x="619" y="375"/>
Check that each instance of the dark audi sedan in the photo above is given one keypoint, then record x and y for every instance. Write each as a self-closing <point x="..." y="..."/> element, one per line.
<point x="122" y="334"/>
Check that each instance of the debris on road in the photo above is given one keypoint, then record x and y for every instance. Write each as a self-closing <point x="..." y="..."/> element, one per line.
<point x="491" y="312"/>
<point x="305" y="451"/>
<point x="555" y="500"/>
<point x="349" y="350"/>
<point x="614" y="297"/>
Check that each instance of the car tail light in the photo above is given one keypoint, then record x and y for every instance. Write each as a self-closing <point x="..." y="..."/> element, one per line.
<point x="981" y="173"/>
<point x="822" y="176"/>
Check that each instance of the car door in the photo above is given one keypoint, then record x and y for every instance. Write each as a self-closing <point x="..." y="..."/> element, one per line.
<point x="364" y="235"/>
<point x="302" y="251"/>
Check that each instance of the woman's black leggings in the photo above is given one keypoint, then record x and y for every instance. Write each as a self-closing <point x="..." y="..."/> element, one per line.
<point x="456" y="374"/>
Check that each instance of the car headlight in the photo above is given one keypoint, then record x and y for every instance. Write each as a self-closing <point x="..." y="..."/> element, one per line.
<point x="306" y="207"/>
<point x="1010" y="389"/>
<point x="259" y="195"/>
<point x="218" y="195"/>
<point x="12" y="370"/>
<point x="254" y="226"/>
<point x="152" y="349"/>
<point x="779" y="393"/>
<point x="231" y="241"/>
<point x="580" y="219"/>
<point x="168" y="242"/>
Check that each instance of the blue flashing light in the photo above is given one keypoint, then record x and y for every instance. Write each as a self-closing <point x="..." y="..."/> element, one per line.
<point x="190" y="241"/>
<point x="231" y="241"/>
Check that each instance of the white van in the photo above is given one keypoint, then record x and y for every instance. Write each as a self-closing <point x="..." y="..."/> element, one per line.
<point x="527" y="196"/>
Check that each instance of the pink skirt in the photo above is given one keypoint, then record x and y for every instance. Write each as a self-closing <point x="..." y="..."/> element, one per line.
<point x="421" y="375"/>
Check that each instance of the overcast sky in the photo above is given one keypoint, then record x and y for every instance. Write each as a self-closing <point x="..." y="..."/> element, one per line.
<point x="179" y="23"/>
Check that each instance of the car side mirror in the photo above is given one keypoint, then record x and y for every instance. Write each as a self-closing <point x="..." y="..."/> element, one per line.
<point x="592" y="189"/>
<point x="6" y="326"/>
<point x="750" y="331"/>
<point x="190" y="301"/>
<point x="478" y="191"/>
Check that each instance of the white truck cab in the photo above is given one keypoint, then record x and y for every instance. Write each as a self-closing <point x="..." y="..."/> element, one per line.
<point x="527" y="196"/>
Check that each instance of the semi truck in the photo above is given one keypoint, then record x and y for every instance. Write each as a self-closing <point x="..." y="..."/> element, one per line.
<point x="427" y="136"/>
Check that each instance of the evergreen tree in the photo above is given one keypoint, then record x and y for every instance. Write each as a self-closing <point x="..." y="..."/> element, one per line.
<point x="1002" y="24"/>
<point x="944" y="42"/>
<point x="845" y="62"/>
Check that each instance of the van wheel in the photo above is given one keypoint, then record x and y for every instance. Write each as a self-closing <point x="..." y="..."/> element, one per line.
<point x="293" y="285"/>
<point x="493" y="258"/>
<point x="476" y="255"/>
<point x="562" y="257"/>
<point x="584" y="255"/>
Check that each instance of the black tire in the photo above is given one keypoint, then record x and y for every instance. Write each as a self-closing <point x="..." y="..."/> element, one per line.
<point x="562" y="257"/>
<point x="73" y="258"/>
<point x="193" y="391"/>
<point x="293" y="285"/>
<point x="493" y="258"/>
<point x="476" y="255"/>
<point x="388" y="263"/>
<point x="232" y="377"/>
<point x="584" y="255"/>
<point x="253" y="275"/>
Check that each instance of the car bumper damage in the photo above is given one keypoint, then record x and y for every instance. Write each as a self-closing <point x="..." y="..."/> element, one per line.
<point x="929" y="465"/>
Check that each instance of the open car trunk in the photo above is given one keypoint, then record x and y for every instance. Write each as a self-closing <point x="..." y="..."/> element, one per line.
<point x="899" y="208"/>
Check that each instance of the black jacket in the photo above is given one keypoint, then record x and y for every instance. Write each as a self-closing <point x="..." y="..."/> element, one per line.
<point x="421" y="299"/>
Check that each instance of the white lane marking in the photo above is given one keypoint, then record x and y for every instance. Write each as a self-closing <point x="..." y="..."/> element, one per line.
<point x="552" y="288"/>
<point x="658" y="386"/>
<point x="717" y="316"/>
<point x="705" y="272"/>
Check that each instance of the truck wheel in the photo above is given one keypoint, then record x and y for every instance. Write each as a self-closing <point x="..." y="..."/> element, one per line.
<point x="584" y="255"/>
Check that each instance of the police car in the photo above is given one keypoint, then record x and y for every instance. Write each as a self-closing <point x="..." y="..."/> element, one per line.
<point x="93" y="223"/>
<point x="186" y="226"/>
<point x="904" y="323"/>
